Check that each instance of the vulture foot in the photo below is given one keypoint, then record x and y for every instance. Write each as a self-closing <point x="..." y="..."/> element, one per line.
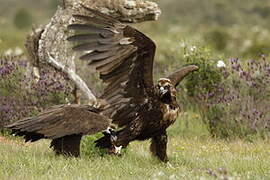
<point x="110" y="134"/>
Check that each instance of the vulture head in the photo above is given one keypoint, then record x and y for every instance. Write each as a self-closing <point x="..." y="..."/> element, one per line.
<point x="166" y="90"/>
<point x="166" y="87"/>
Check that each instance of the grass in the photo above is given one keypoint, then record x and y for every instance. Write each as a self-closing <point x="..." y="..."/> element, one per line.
<point x="11" y="38"/>
<point x="191" y="156"/>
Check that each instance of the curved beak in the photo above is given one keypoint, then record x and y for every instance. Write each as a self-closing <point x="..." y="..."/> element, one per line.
<point x="162" y="91"/>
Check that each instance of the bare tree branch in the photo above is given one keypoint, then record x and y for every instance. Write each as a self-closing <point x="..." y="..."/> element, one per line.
<point x="74" y="78"/>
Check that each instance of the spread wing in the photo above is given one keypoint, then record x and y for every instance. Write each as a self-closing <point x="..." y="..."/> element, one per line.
<point x="59" y="121"/>
<point x="124" y="58"/>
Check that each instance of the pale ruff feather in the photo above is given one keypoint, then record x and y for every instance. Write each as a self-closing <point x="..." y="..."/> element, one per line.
<point x="169" y="114"/>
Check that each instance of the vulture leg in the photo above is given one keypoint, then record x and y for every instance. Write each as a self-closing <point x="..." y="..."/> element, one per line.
<point x="114" y="141"/>
<point x="158" y="147"/>
<point x="124" y="138"/>
<point x="67" y="145"/>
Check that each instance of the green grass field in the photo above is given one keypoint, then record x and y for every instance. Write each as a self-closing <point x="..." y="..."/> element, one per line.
<point x="191" y="156"/>
<point x="228" y="28"/>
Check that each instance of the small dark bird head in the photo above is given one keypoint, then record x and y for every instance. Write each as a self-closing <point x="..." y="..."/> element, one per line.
<point x="166" y="91"/>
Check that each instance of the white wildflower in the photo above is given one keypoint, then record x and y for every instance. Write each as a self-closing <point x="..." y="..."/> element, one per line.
<point x="186" y="55"/>
<point x="18" y="51"/>
<point x="160" y="173"/>
<point x="221" y="64"/>
<point x="193" y="48"/>
<point x="8" y="52"/>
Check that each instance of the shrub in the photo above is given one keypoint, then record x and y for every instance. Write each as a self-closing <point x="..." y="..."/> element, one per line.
<point x="206" y="78"/>
<point x="232" y="97"/>
<point x="240" y="104"/>
<point x="22" y="95"/>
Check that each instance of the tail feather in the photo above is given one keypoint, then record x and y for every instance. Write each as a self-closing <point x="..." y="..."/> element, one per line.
<point x="28" y="136"/>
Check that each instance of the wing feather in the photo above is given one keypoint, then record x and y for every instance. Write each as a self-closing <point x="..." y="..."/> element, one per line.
<point x="83" y="37"/>
<point x="126" y="66"/>
<point x="90" y="28"/>
<point x="62" y="120"/>
<point x="93" y="56"/>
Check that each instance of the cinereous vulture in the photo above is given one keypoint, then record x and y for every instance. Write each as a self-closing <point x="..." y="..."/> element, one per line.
<point x="142" y="110"/>
<point x="124" y="57"/>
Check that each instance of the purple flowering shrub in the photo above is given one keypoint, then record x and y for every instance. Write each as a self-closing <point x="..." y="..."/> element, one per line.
<point x="240" y="104"/>
<point x="22" y="94"/>
<point x="233" y="97"/>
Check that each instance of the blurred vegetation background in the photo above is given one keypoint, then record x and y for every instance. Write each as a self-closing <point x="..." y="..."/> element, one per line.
<point x="231" y="27"/>
<point x="17" y="17"/>
<point x="188" y="31"/>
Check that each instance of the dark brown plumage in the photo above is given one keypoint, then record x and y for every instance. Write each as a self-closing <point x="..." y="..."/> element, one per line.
<point x="64" y="124"/>
<point x="124" y="59"/>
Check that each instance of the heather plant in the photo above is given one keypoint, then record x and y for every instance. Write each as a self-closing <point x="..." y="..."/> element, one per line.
<point x="22" y="94"/>
<point x="233" y="96"/>
<point x="240" y="103"/>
